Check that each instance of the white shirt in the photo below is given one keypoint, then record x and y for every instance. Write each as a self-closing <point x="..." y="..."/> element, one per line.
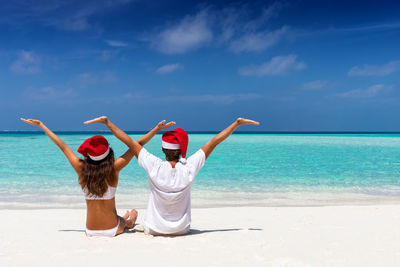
<point x="168" y="210"/>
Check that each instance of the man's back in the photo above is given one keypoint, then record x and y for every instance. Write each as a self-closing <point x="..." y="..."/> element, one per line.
<point x="168" y="210"/>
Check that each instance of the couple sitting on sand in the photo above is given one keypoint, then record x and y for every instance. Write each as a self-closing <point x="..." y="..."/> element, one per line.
<point x="168" y="210"/>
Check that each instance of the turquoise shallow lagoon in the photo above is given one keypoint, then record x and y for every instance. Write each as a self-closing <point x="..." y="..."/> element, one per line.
<point x="247" y="169"/>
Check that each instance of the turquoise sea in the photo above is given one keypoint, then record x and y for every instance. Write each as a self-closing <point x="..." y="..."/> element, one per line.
<point x="247" y="169"/>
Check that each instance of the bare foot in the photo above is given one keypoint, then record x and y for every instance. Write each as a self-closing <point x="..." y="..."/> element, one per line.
<point x="134" y="214"/>
<point x="130" y="222"/>
<point x="126" y="216"/>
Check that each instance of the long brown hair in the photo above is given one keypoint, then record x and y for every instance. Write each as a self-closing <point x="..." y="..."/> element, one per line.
<point x="95" y="174"/>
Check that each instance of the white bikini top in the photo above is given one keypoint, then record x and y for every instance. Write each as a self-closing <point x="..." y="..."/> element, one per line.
<point x="109" y="194"/>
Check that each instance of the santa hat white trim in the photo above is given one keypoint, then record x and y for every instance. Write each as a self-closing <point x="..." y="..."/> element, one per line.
<point x="103" y="156"/>
<point x="170" y="145"/>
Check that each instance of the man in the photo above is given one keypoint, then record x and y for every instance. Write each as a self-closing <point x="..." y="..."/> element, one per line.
<point x="169" y="211"/>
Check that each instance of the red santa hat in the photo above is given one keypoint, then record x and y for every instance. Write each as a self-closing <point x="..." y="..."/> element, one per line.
<point x="96" y="148"/>
<point x="176" y="139"/>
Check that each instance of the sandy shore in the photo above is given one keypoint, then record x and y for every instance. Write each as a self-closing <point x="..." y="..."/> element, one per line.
<point x="253" y="236"/>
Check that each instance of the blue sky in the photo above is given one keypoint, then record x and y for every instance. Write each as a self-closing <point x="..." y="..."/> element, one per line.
<point x="292" y="65"/>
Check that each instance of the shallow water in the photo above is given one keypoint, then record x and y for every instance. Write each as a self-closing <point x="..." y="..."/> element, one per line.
<point x="247" y="169"/>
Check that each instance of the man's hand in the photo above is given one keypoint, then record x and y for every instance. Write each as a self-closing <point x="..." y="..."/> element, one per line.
<point x="102" y="119"/>
<point x="242" y="121"/>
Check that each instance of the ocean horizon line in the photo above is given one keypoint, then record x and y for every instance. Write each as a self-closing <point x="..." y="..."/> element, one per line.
<point x="200" y="132"/>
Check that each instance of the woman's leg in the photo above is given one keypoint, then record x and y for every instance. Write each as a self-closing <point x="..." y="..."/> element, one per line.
<point x="127" y="221"/>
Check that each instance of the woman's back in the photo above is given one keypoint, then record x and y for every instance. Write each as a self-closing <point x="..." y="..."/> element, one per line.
<point x="98" y="180"/>
<point x="101" y="212"/>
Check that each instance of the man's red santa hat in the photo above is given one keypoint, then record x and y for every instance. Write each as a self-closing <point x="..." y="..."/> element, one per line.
<point x="176" y="139"/>
<point x="96" y="148"/>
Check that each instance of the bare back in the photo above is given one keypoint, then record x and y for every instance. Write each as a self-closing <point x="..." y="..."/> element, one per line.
<point x="101" y="214"/>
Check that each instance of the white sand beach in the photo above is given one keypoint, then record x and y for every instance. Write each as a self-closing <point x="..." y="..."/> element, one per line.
<point x="245" y="236"/>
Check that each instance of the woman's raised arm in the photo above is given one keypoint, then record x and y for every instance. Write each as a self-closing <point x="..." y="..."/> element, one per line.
<point x="121" y="135"/>
<point x="72" y="158"/>
<point x="124" y="160"/>
<point x="160" y="126"/>
<point x="210" y="145"/>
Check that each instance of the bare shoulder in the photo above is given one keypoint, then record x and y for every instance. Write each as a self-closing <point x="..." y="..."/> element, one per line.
<point x="79" y="166"/>
<point x="114" y="180"/>
<point x="80" y="181"/>
<point x="78" y="170"/>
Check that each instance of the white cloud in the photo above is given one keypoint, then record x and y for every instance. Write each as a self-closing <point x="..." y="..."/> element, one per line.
<point x="266" y="14"/>
<point x="169" y="68"/>
<point x="87" y="78"/>
<point x="365" y="93"/>
<point x="215" y="99"/>
<point x="228" y="23"/>
<point x="258" y="41"/>
<point x="223" y="99"/>
<point x="235" y="26"/>
<point x="26" y="63"/>
<point x="315" y="85"/>
<point x="190" y="33"/>
<point x="109" y="76"/>
<point x="116" y="43"/>
<point x="249" y="35"/>
<point x="375" y="70"/>
<point x="74" y="24"/>
<point x="235" y="22"/>
<point x="145" y="97"/>
<point x="361" y="28"/>
<point x="278" y="65"/>
<point x="106" y="55"/>
<point x="49" y="93"/>
<point x="71" y="15"/>
<point x="84" y="79"/>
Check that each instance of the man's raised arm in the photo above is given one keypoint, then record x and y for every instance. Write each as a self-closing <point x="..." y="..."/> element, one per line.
<point x="210" y="145"/>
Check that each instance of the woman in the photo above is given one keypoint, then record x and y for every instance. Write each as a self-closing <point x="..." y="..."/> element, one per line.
<point x="98" y="176"/>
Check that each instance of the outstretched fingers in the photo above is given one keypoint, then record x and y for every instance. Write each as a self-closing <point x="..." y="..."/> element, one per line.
<point x="169" y="124"/>
<point x="89" y="122"/>
<point x="242" y="121"/>
<point x="31" y="121"/>
<point x="102" y="119"/>
<point x="163" y="125"/>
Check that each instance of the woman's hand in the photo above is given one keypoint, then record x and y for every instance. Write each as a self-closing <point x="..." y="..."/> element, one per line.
<point x="102" y="119"/>
<point x="162" y="125"/>
<point x="32" y="122"/>
<point x="242" y="121"/>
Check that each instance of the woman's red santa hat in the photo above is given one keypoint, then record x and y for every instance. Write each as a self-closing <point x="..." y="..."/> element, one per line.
<point x="176" y="139"/>
<point x="96" y="148"/>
